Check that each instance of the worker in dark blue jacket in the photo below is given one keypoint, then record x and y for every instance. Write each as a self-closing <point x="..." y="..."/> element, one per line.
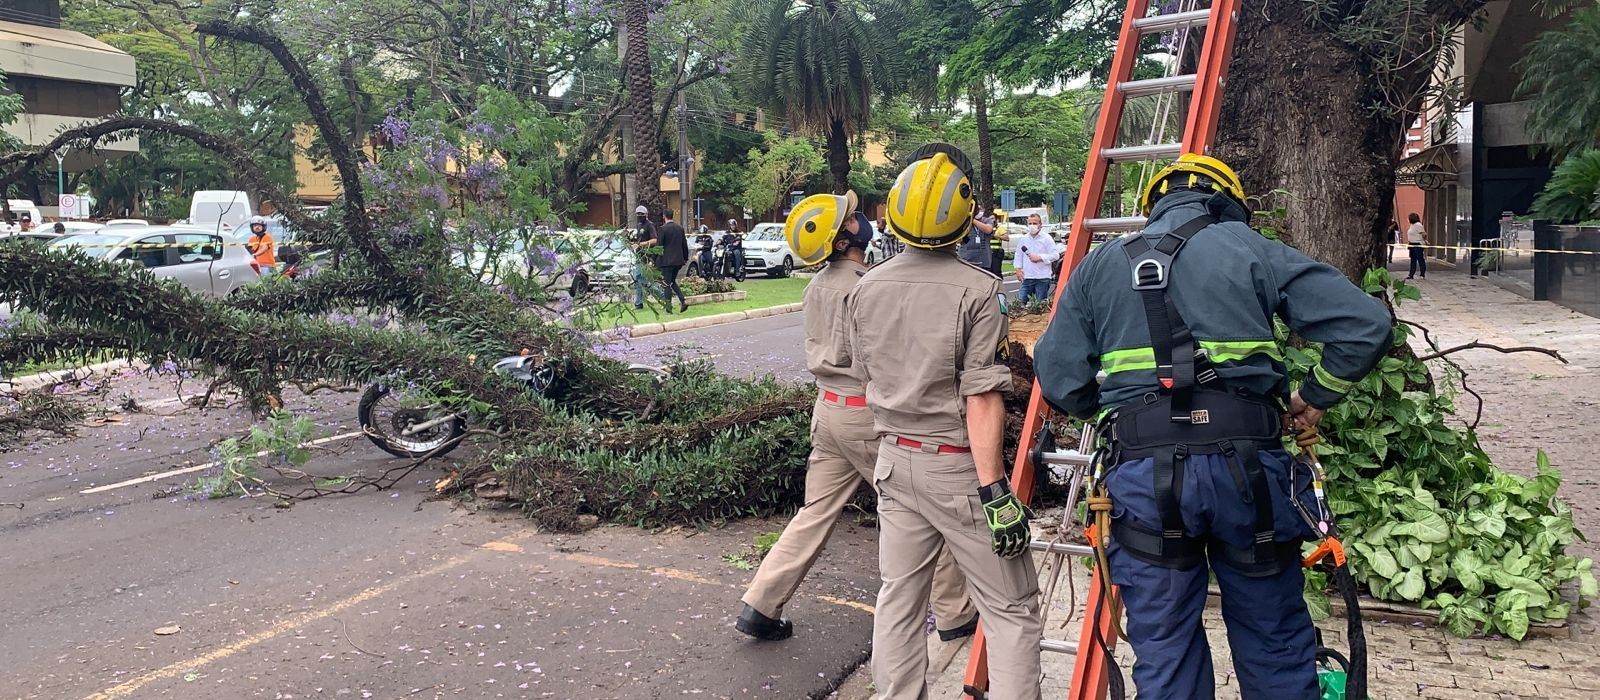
<point x="1194" y="398"/>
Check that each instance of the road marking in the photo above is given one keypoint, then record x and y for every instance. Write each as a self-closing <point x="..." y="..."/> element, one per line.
<point x="502" y="546"/>
<point x="127" y="688"/>
<point x="691" y="577"/>
<point x="868" y="609"/>
<point x="208" y="465"/>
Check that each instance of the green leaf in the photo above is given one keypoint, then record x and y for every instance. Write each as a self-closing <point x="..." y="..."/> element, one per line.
<point x="1383" y="564"/>
<point x="1411" y="586"/>
<point x="1425" y="526"/>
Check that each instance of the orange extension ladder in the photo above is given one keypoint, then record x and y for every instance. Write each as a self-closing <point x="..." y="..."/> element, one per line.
<point x="1091" y="674"/>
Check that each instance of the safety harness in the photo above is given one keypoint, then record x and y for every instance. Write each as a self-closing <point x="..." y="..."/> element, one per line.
<point x="1193" y="413"/>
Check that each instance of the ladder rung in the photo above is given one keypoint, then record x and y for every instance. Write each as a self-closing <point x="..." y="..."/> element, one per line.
<point x="1157" y="86"/>
<point x="1161" y="23"/>
<point x="1154" y="151"/>
<point x="1075" y="550"/>
<point x="1066" y="457"/>
<point x="1115" y="223"/>
<point x="1058" y="646"/>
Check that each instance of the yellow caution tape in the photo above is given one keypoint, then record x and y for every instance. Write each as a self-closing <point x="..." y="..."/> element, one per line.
<point x="1497" y="249"/>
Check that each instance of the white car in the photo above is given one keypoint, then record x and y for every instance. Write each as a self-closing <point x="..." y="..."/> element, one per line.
<point x="766" y="250"/>
<point x="578" y="260"/>
<point x="126" y="222"/>
<point x="203" y="262"/>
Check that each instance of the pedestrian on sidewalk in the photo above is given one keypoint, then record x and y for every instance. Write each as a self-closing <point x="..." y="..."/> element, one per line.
<point x="926" y="333"/>
<point x="1417" y="238"/>
<point x="844" y="441"/>
<point x="1391" y="238"/>
<point x="644" y="241"/>
<point x="1180" y="319"/>
<point x="674" y="255"/>
<point x="1034" y="261"/>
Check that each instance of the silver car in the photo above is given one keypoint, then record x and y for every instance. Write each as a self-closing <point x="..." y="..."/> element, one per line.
<point x="203" y="262"/>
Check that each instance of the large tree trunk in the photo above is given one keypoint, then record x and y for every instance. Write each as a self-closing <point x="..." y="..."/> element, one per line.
<point x="641" y="104"/>
<point x="1314" y="117"/>
<point x="980" y="106"/>
<point x="838" y="156"/>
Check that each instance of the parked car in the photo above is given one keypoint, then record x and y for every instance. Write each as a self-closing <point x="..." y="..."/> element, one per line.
<point x="127" y="222"/>
<point x="605" y="260"/>
<point x="577" y="261"/>
<point x="74" y="226"/>
<point x="224" y="210"/>
<point x="766" y="250"/>
<point x="30" y="239"/>
<point x="198" y="260"/>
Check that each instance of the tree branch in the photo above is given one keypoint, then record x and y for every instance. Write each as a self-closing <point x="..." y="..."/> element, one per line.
<point x="1477" y="345"/>
<point x="356" y="224"/>
<point x="84" y="137"/>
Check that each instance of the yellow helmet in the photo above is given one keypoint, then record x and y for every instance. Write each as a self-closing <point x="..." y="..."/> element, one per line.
<point x="1195" y="172"/>
<point x="814" y="223"/>
<point x="931" y="204"/>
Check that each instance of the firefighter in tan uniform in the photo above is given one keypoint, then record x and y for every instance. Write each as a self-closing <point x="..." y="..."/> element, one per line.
<point x="926" y="333"/>
<point x="844" y="443"/>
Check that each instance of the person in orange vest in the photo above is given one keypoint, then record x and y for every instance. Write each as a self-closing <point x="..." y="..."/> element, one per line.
<point x="261" y="246"/>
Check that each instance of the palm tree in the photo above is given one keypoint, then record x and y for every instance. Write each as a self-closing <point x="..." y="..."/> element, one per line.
<point x="1565" y="105"/>
<point x="818" y="64"/>
<point x="641" y="103"/>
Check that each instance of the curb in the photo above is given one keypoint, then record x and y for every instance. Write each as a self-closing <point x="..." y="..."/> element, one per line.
<point x="648" y="329"/>
<point x="34" y="381"/>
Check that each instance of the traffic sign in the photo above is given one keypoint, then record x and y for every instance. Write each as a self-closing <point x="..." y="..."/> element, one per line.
<point x="68" y="205"/>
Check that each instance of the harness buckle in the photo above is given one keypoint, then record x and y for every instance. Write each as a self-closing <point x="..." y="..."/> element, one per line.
<point x="1149" y="274"/>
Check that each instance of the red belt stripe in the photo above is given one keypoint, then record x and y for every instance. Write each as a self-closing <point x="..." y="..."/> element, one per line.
<point x="857" y="401"/>
<point x="943" y="449"/>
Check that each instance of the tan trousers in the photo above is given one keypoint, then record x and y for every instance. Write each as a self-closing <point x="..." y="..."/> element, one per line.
<point x="927" y="501"/>
<point x="844" y="448"/>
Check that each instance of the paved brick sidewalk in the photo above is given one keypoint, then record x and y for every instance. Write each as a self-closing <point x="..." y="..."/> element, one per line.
<point x="1531" y="402"/>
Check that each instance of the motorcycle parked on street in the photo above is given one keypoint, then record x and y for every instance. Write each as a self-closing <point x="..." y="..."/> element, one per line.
<point x="406" y="423"/>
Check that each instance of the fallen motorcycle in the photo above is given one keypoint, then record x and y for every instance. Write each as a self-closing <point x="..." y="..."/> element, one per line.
<point x="406" y="423"/>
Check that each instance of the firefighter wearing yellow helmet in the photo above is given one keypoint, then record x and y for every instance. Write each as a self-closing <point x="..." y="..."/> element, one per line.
<point x="1168" y="336"/>
<point x="925" y="332"/>
<point x="844" y="442"/>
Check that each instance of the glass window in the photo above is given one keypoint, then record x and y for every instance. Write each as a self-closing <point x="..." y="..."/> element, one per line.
<point x="149" y="252"/>
<point x="197" y="247"/>
<point x="93" y="245"/>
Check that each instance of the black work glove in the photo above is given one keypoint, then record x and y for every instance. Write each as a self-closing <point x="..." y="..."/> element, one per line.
<point x="1007" y="518"/>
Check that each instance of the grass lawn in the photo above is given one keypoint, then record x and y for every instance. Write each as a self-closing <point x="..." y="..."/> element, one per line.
<point x="762" y="293"/>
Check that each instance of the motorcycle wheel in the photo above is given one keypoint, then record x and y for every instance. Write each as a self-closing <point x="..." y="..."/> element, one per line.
<point x="384" y="417"/>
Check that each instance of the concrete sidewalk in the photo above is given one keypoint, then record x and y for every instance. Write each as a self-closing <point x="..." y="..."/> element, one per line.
<point x="1532" y="401"/>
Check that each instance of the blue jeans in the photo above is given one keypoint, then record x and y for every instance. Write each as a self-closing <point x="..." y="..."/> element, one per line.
<point x="1269" y="628"/>
<point x="638" y="286"/>
<point x="1035" y="289"/>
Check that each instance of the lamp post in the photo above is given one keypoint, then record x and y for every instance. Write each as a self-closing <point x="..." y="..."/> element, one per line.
<point x="61" y="181"/>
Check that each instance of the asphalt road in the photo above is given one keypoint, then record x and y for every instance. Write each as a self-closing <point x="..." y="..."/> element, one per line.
<point x="379" y="594"/>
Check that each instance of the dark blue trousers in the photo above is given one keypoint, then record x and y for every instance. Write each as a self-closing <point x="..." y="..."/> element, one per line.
<point x="1269" y="628"/>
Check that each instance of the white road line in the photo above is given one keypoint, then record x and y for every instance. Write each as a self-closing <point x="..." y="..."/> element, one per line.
<point x="202" y="467"/>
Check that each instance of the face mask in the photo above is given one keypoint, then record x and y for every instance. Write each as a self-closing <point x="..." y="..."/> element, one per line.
<point x="1034" y="228"/>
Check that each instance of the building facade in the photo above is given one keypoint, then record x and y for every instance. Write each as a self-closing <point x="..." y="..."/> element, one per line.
<point x="66" y="79"/>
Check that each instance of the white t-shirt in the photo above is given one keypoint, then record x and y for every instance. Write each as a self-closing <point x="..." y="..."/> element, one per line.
<point x="1415" y="235"/>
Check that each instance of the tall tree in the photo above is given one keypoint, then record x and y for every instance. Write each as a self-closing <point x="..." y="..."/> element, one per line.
<point x="1318" y="96"/>
<point x="641" y="102"/>
<point x="818" y="64"/>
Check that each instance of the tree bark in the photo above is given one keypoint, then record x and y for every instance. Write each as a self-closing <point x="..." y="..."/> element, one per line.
<point x="838" y="157"/>
<point x="980" y="107"/>
<point x="1314" y="117"/>
<point x="641" y="103"/>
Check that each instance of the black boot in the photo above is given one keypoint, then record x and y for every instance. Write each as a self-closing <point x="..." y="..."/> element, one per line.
<point x="961" y="632"/>
<point x="753" y="623"/>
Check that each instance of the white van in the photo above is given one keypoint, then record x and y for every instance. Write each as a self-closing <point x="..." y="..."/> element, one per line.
<point x="18" y="208"/>
<point x="224" y="209"/>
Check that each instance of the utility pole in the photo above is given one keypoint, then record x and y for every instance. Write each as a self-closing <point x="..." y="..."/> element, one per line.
<point x="630" y="184"/>
<point x="685" y="163"/>
<point x="1044" y="166"/>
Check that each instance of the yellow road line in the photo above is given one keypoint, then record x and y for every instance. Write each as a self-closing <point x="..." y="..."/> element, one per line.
<point x="128" y="687"/>
<point x="691" y="577"/>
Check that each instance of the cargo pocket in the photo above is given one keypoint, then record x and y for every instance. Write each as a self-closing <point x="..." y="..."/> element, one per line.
<point x="881" y="471"/>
